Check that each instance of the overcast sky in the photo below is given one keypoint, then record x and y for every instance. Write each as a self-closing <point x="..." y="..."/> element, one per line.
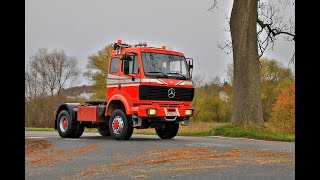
<point x="82" y="27"/>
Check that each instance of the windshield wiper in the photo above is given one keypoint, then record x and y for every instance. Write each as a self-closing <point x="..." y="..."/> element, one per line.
<point x="158" y="72"/>
<point x="177" y="74"/>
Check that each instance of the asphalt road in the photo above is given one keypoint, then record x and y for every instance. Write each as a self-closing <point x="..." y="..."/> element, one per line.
<point x="149" y="157"/>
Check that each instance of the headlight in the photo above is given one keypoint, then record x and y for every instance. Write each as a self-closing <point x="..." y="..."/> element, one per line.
<point x="188" y="112"/>
<point x="152" y="112"/>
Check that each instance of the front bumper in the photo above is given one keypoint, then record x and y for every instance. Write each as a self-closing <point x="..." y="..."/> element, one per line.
<point x="169" y="113"/>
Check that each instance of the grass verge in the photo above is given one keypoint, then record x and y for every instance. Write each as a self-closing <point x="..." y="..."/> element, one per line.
<point x="52" y="129"/>
<point x="231" y="130"/>
<point x="249" y="131"/>
<point x="227" y="130"/>
<point x="38" y="129"/>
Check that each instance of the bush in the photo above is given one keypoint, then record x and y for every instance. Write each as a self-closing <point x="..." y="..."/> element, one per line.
<point x="283" y="115"/>
<point x="39" y="111"/>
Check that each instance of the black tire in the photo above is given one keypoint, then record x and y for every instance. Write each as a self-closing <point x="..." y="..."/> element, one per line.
<point x="169" y="131"/>
<point x="104" y="130"/>
<point x="79" y="131"/>
<point x="127" y="129"/>
<point x="70" y="129"/>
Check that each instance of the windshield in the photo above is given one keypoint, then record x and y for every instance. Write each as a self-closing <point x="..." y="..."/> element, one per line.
<point x="165" y="65"/>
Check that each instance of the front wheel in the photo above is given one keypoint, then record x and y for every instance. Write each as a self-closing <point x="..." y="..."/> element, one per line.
<point x="169" y="130"/>
<point x="119" y="126"/>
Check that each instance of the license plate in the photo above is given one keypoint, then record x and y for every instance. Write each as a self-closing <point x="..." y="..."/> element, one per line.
<point x="172" y="113"/>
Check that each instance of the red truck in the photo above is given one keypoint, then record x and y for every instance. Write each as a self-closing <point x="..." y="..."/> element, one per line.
<point x="147" y="87"/>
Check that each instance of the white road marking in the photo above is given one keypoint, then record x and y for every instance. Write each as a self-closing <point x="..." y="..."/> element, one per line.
<point x="265" y="149"/>
<point x="73" y="139"/>
<point x="246" y="139"/>
<point x="36" y="137"/>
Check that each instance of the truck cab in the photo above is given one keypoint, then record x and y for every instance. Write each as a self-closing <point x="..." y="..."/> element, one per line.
<point x="147" y="87"/>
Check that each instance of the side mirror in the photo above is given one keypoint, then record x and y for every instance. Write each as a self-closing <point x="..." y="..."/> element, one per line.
<point x="125" y="61"/>
<point x="125" y="67"/>
<point x="190" y="65"/>
<point x="126" y="57"/>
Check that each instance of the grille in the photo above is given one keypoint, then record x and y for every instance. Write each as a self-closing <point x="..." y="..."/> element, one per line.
<point x="161" y="93"/>
<point x="168" y="105"/>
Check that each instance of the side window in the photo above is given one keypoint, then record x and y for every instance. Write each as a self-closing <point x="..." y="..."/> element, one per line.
<point x="114" y="65"/>
<point x="133" y="66"/>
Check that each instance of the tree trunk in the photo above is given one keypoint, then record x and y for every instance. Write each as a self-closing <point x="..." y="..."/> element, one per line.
<point x="247" y="89"/>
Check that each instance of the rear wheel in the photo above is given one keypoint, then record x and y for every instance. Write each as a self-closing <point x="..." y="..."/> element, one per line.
<point x="169" y="130"/>
<point x="119" y="126"/>
<point x="67" y="128"/>
<point x="79" y="131"/>
<point x="104" y="130"/>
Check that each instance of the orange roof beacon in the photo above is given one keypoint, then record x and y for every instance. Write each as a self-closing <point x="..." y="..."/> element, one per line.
<point x="147" y="87"/>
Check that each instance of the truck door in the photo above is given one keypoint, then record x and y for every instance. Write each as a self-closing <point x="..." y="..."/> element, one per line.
<point x="113" y="76"/>
<point x="129" y="85"/>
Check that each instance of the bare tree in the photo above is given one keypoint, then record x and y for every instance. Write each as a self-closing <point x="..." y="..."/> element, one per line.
<point x="50" y="72"/>
<point x="31" y="86"/>
<point x="229" y="72"/>
<point x="272" y="23"/>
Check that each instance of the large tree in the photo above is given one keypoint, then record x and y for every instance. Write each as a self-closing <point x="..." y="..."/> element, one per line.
<point x="97" y="71"/>
<point x="246" y="44"/>
<point x="247" y="106"/>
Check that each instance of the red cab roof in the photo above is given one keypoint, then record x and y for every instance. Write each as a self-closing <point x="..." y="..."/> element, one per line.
<point x="148" y="49"/>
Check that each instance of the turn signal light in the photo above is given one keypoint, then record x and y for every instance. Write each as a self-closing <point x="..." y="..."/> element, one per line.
<point x="164" y="47"/>
<point x="188" y="112"/>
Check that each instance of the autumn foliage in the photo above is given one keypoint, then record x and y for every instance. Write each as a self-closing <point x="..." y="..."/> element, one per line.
<point x="283" y="115"/>
<point x="97" y="71"/>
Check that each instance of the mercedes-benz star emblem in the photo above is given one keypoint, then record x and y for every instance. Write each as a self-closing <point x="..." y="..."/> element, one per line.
<point x="171" y="93"/>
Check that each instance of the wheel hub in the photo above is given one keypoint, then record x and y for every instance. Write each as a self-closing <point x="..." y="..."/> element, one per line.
<point x="63" y="123"/>
<point x="117" y="125"/>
